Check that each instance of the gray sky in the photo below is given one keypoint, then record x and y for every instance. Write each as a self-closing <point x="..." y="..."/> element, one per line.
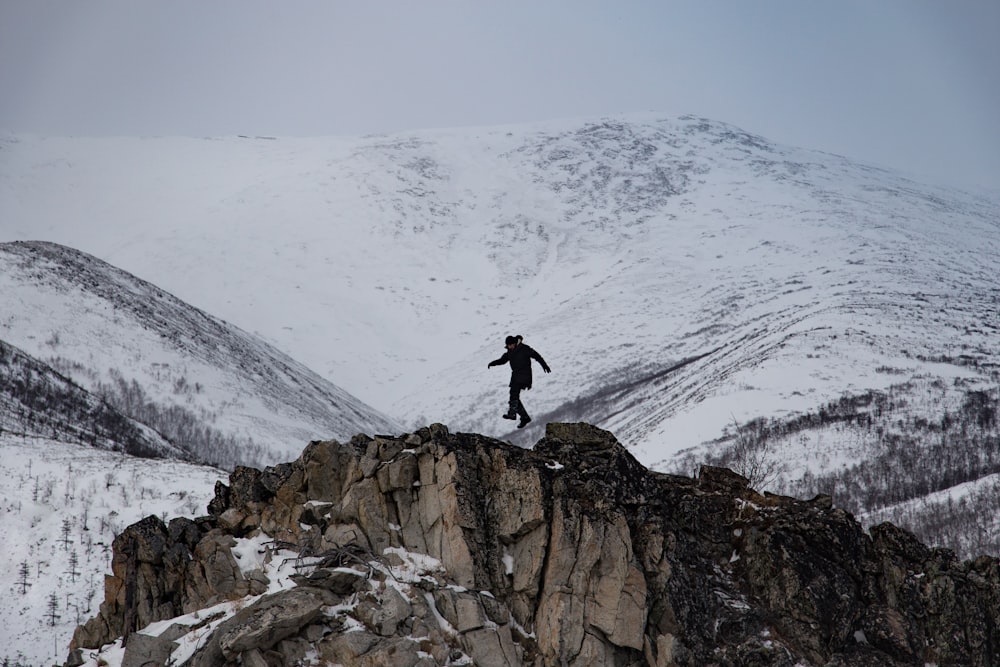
<point x="910" y="84"/>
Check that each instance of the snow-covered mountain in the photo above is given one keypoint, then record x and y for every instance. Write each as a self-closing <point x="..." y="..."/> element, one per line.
<point x="681" y="277"/>
<point x="220" y="394"/>
<point x="678" y="274"/>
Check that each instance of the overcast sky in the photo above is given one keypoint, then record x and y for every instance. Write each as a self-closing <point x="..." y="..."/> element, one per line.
<point x="909" y="84"/>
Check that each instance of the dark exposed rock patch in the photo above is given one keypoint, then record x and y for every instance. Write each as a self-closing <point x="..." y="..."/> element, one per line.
<point x="569" y="553"/>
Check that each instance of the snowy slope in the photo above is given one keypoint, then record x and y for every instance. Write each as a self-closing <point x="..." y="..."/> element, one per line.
<point x="92" y="321"/>
<point x="677" y="274"/>
<point x="62" y="503"/>
<point x="36" y="401"/>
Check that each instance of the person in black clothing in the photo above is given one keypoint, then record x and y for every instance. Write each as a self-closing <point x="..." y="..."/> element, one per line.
<point x="519" y="355"/>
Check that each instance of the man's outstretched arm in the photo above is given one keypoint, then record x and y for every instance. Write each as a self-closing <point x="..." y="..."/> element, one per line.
<point x="498" y="362"/>
<point x="537" y="357"/>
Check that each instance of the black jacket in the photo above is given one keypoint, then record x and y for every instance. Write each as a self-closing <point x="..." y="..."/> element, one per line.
<point x="520" y="364"/>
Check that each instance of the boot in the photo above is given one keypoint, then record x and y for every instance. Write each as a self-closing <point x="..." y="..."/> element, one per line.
<point x="523" y="414"/>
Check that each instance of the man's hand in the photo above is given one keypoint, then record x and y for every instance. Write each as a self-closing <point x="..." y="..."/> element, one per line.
<point x="546" y="369"/>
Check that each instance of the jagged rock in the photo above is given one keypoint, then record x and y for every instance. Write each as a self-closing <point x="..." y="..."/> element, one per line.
<point x="246" y="487"/>
<point x="215" y="573"/>
<point x="174" y="632"/>
<point x="382" y="613"/>
<point x="254" y="658"/>
<point x="394" y="652"/>
<point x="492" y="647"/>
<point x="461" y="609"/>
<point x="712" y="478"/>
<point x="75" y="658"/>
<point x="142" y="650"/>
<point x="218" y="504"/>
<point x="342" y="535"/>
<point x="340" y="582"/>
<point x="567" y="554"/>
<point x="263" y="624"/>
<point x="347" y="648"/>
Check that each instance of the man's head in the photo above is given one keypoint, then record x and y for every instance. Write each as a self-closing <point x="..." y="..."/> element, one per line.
<point x="511" y="342"/>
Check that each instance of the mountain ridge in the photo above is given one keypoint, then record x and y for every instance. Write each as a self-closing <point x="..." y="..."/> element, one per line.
<point x="618" y="246"/>
<point x="435" y="548"/>
<point x="35" y="400"/>
<point x="126" y="338"/>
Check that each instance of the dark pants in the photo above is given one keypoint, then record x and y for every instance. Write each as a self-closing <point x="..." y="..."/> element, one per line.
<point x="515" y="405"/>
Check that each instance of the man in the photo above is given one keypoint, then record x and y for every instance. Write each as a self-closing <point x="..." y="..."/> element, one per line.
<point x="519" y="355"/>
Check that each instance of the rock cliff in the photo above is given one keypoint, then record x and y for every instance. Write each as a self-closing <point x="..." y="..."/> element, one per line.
<point x="439" y="548"/>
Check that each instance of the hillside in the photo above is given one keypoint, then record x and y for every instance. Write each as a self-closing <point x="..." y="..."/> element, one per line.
<point x="37" y="402"/>
<point x="61" y="507"/>
<point x="220" y="394"/>
<point x="678" y="274"/>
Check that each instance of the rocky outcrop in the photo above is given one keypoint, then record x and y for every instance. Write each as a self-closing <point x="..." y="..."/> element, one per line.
<point x="436" y="548"/>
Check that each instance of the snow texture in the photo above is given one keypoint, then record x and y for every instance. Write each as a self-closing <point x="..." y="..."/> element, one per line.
<point x="620" y="248"/>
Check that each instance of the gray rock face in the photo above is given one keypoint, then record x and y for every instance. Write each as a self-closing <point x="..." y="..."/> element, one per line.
<point x="567" y="554"/>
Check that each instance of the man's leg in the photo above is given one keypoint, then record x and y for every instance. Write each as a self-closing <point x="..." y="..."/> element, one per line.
<point x="521" y="412"/>
<point x="513" y="402"/>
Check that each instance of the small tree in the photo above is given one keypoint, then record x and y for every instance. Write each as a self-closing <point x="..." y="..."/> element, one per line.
<point x="67" y="527"/>
<point x="52" y="609"/>
<point x="74" y="563"/>
<point x="24" y="571"/>
<point x="752" y="455"/>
